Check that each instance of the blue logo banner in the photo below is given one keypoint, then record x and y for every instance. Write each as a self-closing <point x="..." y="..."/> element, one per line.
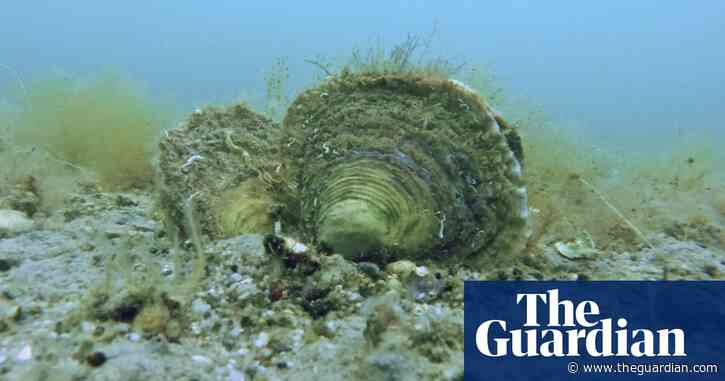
<point x="612" y="330"/>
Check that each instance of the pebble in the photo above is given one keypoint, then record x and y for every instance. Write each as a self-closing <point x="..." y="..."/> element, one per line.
<point x="199" y="359"/>
<point x="331" y="325"/>
<point x="13" y="222"/>
<point x="9" y="310"/>
<point x="87" y="327"/>
<point x="7" y="264"/>
<point x="114" y="233"/>
<point x="576" y="250"/>
<point x="354" y="296"/>
<point x="421" y="271"/>
<point x="295" y="247"/>
<point x="235" y="332"/>
<point x="370" y="269"/>
<point x="134" y="337"/>
<point x="25" y="354"/>
<point x="87" y="246"/>
<point x="166" y="270"/>
<point x="401" y="268"/>
<point x="262" y="340"/>
<point x="235" y="375"/>
<point x="199" y="307"/>
<point x="96" y="359"/>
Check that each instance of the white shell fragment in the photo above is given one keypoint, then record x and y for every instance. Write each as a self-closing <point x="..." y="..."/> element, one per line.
<point x="262" y="340"/>
<point x="13" y="222"/>
<point x="199" y="359"/>
<point x="295" y="247"/>
<point x="463" y="86"/>
<point x="421" y="271"/>
<point x="191" y="160"/>
<point x="577" y="249"/>
<point x="25" y="354"/>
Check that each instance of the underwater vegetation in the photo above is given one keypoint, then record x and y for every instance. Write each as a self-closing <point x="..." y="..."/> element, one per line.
<point x="103" y="126"/>
<point x="409" y="57"/>
<point x="614" y="191"/>
<point x="134" y="290"/>
<point x="276" y="99"/>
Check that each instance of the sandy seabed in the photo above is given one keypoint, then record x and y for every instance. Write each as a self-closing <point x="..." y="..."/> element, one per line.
<point x="256" y="317"/>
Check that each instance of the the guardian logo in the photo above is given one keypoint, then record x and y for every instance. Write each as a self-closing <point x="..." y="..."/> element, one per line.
<point x="561" y="328"/>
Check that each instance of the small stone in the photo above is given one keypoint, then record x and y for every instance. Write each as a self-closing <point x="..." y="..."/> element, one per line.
<point x="98" y="331"/>
<point x="124" y="201"/>
<point x="712" y="270"/>
<point x="235" y="332"/>
<point x="331" y="326"/>
<point x="7" y="264"/>
<point x="87" y="327"/>
<point x="122" y="328"/>
<point x="421" y="271"/>
<point x="134" y="337"/>
<point x="282" y="365"/>
<point x="262" y="340"/>
<point x="393" y="284"/>
<point x="576" y="250"/>
<point x="96" y="359"/>
<point x="401" y="268"/>
<point x="199" y="307"/>
<point x="166" y="270"/>
<point x="235" y="375"/>
<point x="201" y="359"/>
<point x="86" y="246"/>
<point x="113" y="233"/>
<point x="370" y="269"/>
<point x="295" y="247"/>
<point x="10" y="311"/>
<point x="13" y="223"/>
<point x="25" y="354"/>
<point x="354" y="297"/>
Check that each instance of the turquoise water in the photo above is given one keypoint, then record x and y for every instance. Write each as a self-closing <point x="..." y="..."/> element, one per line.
<point x="607" y="66"/>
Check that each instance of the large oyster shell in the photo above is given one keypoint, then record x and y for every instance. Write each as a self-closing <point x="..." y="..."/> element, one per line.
<point x="391" y="166"/>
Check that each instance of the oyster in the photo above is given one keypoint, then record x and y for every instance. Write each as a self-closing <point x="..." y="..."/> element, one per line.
<point x="404" y="166"/>
<point x="376" y="167"/>
<point x="221" y="165"/>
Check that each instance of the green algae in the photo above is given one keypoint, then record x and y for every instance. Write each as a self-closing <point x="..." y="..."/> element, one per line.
<point x="105" y="125"/>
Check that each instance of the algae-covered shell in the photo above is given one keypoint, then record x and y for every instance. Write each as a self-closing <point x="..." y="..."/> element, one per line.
<point x="221" y="165"/>
<point x="391" y="166"/>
